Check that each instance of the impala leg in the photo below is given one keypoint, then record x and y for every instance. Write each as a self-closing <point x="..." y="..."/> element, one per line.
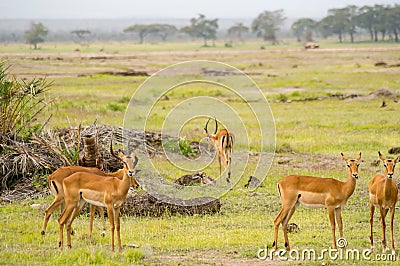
<point x="338" y="215"/>
<point x="92" y="213"/>
<point x="371" y="221"/>
<point x="93" y="209"/>
<point x="277" y="222"/>
<point x="49" y="211"/>
<point x="101" y="211"/>
<point x="227" y="165"/>
<point x="230" y="164"/>
<point x="219" y="163"/>
<point x="110" y="213"/>
<point x="331" y="212"/>
<point x="285" y="224"/>
<point x="383" y="216"/>
<point x="392" y="210"/>
<point x="284" y="212"/>
<point x="118" y="227"/>
<point x="72" y="217"/>
<point x="63" y="219"/>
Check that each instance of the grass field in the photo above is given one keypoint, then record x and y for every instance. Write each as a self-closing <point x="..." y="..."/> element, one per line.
<point x="312" y="96"/>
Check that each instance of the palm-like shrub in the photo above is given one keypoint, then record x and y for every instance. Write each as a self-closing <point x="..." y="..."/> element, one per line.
<point x="21" y="102"/>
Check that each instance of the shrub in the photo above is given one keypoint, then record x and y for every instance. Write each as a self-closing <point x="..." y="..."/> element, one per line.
<point x="20" y="103"/>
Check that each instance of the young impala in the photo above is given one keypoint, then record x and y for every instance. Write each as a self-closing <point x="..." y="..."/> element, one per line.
<point x="383" y="194"/>
<point x="315" y="192"/>
<point x="109" y="192"/>
<point x="223" y="142"/>
<point x="55" y="181"/>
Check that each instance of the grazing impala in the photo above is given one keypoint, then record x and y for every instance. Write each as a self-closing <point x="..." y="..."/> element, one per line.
<point x="54" y="183"/>
<point x="98" y="190"/>
<point x="223" y="142"/>
<point x="315" y="192"/>
<point x="383" y="194"/>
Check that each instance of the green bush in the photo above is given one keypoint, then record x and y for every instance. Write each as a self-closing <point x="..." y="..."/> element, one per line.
<point x="184" y="147"/>
<point x="115" y="107"/>
<point x="20" y="103"/>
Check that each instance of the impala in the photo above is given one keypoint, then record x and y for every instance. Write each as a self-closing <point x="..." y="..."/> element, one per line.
<point x="223" y="142"/>
<point x="54" y="183"/>
<point x="109" y="192"/>
<point x="383" y="194"/>
<point x="315" y="192"/>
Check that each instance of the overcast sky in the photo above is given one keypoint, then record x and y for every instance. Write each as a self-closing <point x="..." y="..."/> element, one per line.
<point x="82" y="9"/>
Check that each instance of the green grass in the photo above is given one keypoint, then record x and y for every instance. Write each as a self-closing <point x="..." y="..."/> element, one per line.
<point x="307" y="130"/>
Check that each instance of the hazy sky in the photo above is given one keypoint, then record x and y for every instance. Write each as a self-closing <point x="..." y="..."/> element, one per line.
<point x="81" y="9"/>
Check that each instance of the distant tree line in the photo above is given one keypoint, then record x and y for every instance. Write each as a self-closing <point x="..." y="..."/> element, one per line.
<point x="380" y="22"/>
<point x="351" y="20"/>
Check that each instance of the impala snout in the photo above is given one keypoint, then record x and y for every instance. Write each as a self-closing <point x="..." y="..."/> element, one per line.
<point x="355" y="175"/>
<point x="390" y="175"/>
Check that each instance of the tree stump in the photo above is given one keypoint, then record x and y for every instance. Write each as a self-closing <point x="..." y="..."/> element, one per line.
<point x="90" y="157"/>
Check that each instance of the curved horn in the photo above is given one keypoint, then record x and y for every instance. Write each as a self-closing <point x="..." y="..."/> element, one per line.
<point x="216" y="126"/>
<point x="135" y="162"/>
<point x="111" y="150"/>
<point x="205" y="128"/>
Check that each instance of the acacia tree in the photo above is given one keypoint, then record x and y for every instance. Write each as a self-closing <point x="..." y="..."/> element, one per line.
<point x="366" y="19"/>
<point x="351" y="13"/>
<point x="143" y="30"/>
<point x="337" y="19"/>
<point x="267" y="24"/>
<point x="201" y="27"/>
<point x="81" y="34"/>
<point x="36" y="34"/>
<point x="394" y="21"/>
<point x="303" y="28"/>
<point x="238" y="30"/>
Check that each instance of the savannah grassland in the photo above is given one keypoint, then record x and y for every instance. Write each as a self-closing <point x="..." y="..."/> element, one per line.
<point x="312" y="128"/>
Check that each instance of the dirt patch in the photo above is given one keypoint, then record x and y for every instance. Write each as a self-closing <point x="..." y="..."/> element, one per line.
<point x="128" y="73"/>
<point x="379" y="93"/>
<point x="308" y="161"/>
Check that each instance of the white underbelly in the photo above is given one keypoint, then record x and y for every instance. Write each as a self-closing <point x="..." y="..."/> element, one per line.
<point x="312" y="205"/>
<point x="93" y="197"/>
<point x="93" y="202"/>
<point x="312" y="200"/>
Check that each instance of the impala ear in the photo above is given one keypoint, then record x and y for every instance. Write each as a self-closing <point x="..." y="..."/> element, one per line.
<point x="121" y="154"/>
<point x="381" y="156"/>
<point x="358" y="156"/>
<point x="344" y="156"/>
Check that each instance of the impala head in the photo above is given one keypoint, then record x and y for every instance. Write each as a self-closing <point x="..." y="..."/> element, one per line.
<point x="353" y="164"/>
<point x="129" y="164"/>
<point x="389" y="164"/>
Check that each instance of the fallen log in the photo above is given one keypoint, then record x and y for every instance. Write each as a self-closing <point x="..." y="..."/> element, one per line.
<point x="144" y="204"/>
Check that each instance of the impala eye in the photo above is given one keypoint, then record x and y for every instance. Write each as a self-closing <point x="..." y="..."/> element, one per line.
<point x="348" y="165"/>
